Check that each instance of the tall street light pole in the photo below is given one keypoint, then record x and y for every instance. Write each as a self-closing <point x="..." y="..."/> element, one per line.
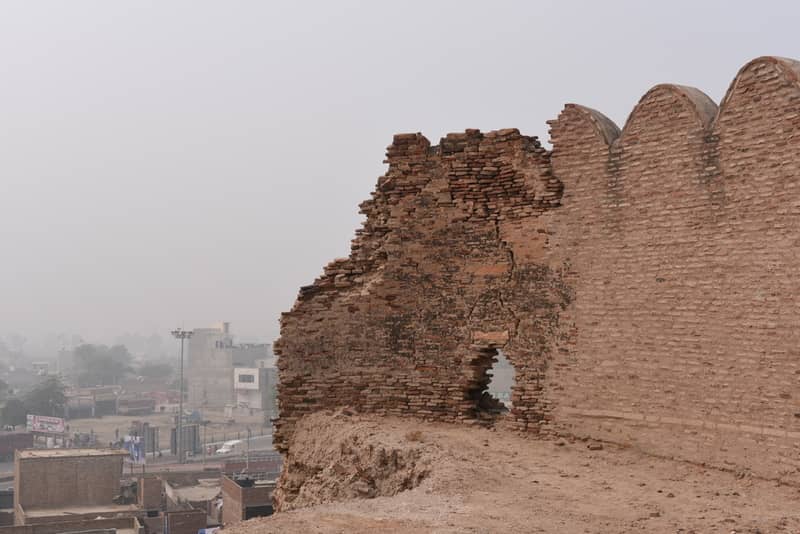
<point x="181" y="334"/>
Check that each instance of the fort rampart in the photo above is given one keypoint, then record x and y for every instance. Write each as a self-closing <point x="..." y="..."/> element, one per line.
<point x="643" y="282"/>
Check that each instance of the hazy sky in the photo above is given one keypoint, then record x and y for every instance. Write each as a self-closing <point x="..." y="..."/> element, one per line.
<point x="170" y="163"/>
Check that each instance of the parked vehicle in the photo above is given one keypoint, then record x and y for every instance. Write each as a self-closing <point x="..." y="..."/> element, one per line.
<point x="230" y="446"/>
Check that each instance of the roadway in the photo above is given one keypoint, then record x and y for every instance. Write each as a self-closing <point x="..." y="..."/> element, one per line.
<point x="257" y="443"/>
<point x="167" y="461"/>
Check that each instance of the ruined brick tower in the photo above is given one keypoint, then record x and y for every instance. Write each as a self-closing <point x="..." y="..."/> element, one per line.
<point x="643" y="283"/>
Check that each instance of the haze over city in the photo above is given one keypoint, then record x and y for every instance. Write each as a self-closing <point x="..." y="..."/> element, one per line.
<point x="399" y="267"/>
<point x="186" y="162"/>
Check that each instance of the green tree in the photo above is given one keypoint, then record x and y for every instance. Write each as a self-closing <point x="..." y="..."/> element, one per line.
<point x="47" y="398"/>
<point x="99" y="365"/>
<point x="14" y="412"/>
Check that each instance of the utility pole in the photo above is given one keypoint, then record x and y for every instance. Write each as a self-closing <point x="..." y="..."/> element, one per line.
<point x="205" y="441"/>
<point x="247" y="460"/>
<point x="181" y="334"/>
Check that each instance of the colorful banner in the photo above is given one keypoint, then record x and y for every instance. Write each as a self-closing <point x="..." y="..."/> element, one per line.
<point x="43" y="423"/>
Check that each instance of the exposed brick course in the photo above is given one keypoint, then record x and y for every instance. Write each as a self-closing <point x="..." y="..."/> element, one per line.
<point x="237" y="499"/>
<point x="62" y="478"/>
<point x="642" y="282"/>
<point x="185" y="521"/>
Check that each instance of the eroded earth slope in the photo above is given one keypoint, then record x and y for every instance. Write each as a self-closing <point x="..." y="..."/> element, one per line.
<point x="478" y="480"/>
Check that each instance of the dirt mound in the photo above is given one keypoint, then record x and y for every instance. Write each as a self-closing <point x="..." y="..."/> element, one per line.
<point x="475" y="480"/>
<point x="334" y="457"/>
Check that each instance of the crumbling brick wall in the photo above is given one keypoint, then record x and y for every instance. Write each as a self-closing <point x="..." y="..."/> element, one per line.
<point x="642" y="282"/>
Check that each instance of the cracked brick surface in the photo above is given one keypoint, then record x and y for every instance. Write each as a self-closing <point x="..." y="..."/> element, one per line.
<point x="642" y="282"/>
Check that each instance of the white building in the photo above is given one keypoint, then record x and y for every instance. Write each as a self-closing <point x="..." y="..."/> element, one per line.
<point x="255" y="389"/>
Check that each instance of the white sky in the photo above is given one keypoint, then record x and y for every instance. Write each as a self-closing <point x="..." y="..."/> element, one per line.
<point x="170" y="163"/>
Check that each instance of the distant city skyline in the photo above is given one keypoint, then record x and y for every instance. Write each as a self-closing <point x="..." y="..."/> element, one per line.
<point x="153" y="343"/>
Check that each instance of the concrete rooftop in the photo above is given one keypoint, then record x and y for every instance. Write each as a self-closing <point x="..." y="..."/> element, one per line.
<point x="69" y="453"/>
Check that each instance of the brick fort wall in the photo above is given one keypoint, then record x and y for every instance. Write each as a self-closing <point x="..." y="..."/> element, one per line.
<point x="642" y="282"/>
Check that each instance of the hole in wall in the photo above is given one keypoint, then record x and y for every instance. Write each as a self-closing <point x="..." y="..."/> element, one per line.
<point x="494" y="380"/>
<point x="501" y="380"/>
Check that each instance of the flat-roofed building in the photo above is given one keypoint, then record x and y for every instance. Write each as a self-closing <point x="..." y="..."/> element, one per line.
<point x="94" y="525"/>
<point x="212" y="356"/>
<point x="245" y="497"/>
<point x="52" y="485"/>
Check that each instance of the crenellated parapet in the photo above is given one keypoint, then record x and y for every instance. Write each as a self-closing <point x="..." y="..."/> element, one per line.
<point x="641" y="281"/>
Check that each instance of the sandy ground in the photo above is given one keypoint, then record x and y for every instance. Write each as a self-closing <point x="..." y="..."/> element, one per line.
<point x="484" y="481"/>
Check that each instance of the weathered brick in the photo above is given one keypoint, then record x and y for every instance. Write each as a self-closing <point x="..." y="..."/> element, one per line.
<point x="642" y="282"/>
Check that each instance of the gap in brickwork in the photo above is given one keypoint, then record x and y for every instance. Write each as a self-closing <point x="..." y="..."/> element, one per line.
<point x="494" y="380"/>
<point x="501" y="380"/>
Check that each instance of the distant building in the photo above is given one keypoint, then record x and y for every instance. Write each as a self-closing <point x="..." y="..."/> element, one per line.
<point x="250" y="354"/>
<point x="212" y="357"/>
<point x="135" y="404"/>
<point x="245" y="497"/>
<point x="40" y="368"/>
<point x="210" y="362"/>
<point x="255" y="390"/>
<point x="80" y="491"/>
<point x="61" y="485"/>
<point x="92" y="401"/>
